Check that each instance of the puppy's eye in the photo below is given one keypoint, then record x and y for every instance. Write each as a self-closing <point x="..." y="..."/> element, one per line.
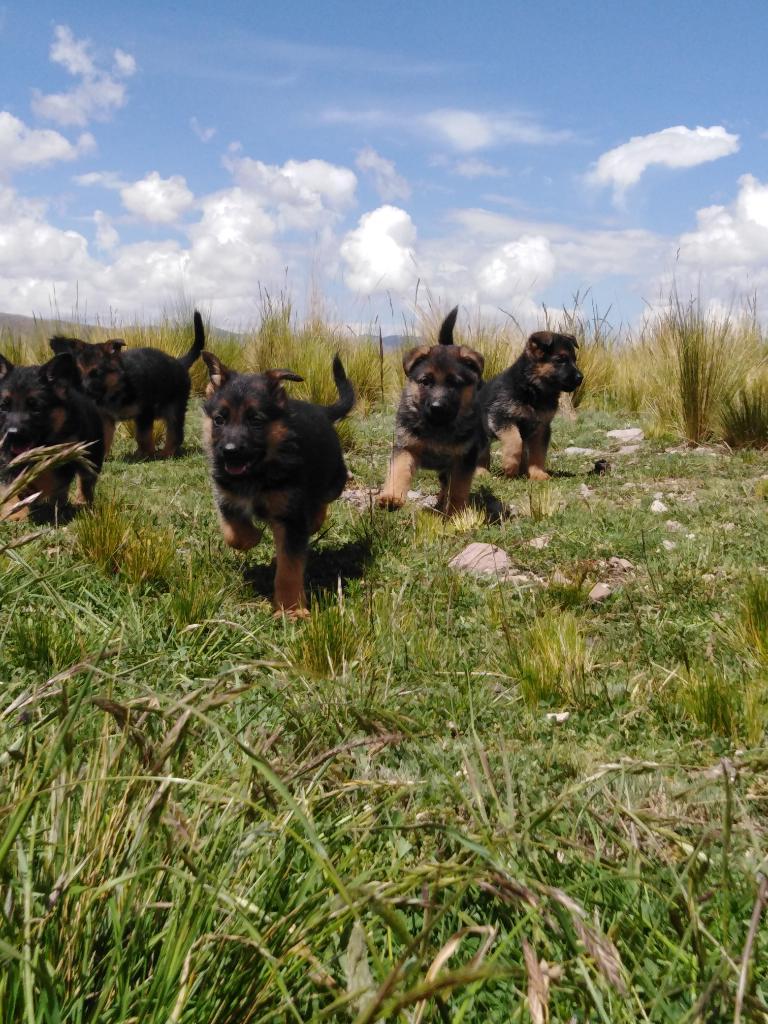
<point x="427" y="380"/>
<point x="219" y="419"/>
<point x="5" y="404"/>
<point x="453" y="382"/>
<point x="254" y="416"/>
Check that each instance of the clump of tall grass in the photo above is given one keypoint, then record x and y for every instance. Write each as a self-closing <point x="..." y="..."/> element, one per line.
<point x="122" y="544"/>
<point x="698" y="362"/>
<point x="744" y="417"/>
<point x="733" y="708"/>
<point x="551" y="660"/>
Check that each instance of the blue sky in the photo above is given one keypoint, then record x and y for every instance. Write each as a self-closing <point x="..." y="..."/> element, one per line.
<point x="504" y="155"/>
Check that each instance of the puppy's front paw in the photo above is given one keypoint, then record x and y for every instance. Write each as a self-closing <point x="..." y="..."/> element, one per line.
<point x="390" y="501"/>
<point x="292" y="614"/>
<point x="534" y="473"/>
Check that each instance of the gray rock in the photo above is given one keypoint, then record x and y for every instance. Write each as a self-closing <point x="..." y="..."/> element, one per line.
<point x="622" y="564"/>
<point x="629" y="449"/>
<point x="539" y="543"/>
<point x="658" y="506"/>
<point x="573" y="450"/>
<point x="482" y="560"/>
<point x="599" y="592"/>
<point x="668" y="545"/>
<point x="630" y="434"/>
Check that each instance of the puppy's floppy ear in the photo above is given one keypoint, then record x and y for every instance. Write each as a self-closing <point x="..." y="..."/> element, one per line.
<point x="61" y="372"/>
<point x="446" y="328"/>
<point x="540" y="344"/>
<point x="472" y="359"/>
<point x="569" y="339"/>
<point x="414" y="356"/>
<point x="5" y="367"/>
<point x="217" y="371"/>
<point x="59" y="343"/>
<point x="112" y="347"/>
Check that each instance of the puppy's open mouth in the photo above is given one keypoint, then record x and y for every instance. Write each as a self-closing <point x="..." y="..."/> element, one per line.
<point x="236" y="467"/>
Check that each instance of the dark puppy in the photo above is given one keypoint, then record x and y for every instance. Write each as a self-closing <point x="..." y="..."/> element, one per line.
<point x="519" y="404"/>
<point x="438" y="424"/>
<point x="277" y="459"/>
<point x="140" y="384"/>
<point x="43" y="405"/>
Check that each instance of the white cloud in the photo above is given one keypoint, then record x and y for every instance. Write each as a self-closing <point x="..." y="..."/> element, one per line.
<point x="674" y="147"/>
<point x="21" y="146"/>
<point x="463" y="130"/>
<point x="467" y="130"/>
<point x="521" y="267"/>
<point x="387" y="182"/>
<point x="98" y="94"/>
<point x="106" y="233"/>
<point x="307" y="194"/>
<point x="379" y="252"/>
<point x="474" y="168"/>
<point x="106" y="179"/>
<point x="158" y="200"/>
<point x="204" y="134"/>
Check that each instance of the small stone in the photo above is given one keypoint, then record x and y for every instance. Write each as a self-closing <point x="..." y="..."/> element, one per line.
<point x="585" y="492"/>
<point x="690" y="536"/>
<point x="708" y="577"/>
<point x="658" y="506"/>
<point x="482" y="560"/>
<point x="668" y="545"/>
<point x="560" y="579"/>
<point x="673" y="525"/>
<point x="573" y="450"/>
<point x="599" y="592"/>
<point x="629" y="449"/>
<point x="413" y="495"/>
<point x="623" y="564"/>
<point x="630" y="434"/>
<point x="558" y="717"/>
<point x="517" y="579"/>
<point x="728" y="527"/>
<point x="539" y="543"/>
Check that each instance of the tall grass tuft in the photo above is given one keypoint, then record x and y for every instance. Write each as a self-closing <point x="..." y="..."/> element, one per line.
<point x="744" y="418"/>
<point x="552" y="662"/>
<point x="123" y="544"/>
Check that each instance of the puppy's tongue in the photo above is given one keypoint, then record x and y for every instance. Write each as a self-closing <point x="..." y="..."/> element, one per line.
<point x="236" y="468"/>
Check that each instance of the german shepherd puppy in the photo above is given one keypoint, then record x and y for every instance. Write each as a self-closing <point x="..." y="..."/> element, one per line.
<point x="438" y="424"/>
<point x="140" y="384"/>
<point x="519" y="404"/>
<point x="276" y="459"/>
<point x="43" y="405"/>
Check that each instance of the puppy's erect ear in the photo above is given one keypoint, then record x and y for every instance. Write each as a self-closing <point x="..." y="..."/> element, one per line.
<point x="61" y="372"/>
<point x="472" y="359"/>
<point x="275" y="376"/>
<point x="112" y="347"/>
<point x="61" y="344"/>
<point x="414" y="356"/>
<point x="5" y="367"/>
<point x="217" y="371"/>
<point x="540" y="344"/>
<point x="445" y="336"/>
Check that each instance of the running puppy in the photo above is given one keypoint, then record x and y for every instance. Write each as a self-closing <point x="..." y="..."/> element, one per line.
<point x="438" y="424"/>
<point x="43" y="405"/>
<point x="140" y="384"/>
<point x="276" y="459"/>
<point x="519" y="404"/>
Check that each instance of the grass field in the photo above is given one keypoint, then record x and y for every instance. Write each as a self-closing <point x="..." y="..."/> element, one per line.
<point x="208" y="815"/>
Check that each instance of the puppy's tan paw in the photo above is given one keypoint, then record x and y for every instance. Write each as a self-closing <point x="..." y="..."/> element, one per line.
<point x="390" y="501"/>
<point x="534" y="473"/>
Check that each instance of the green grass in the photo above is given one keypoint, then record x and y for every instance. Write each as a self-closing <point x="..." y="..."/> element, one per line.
<point x="208" y="815"/>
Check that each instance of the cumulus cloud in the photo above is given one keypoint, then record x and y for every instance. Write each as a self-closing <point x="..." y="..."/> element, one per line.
<point x="521" y="267"/>
<point x="106" y="233"/>
<point x="674" y="147"/>
<point x="379" y="253"/>
<point x="22" y="147"/>
<point x="307" y="194"/>
<point x="387" y="182"/>
<point x="158" y="200"/>
<point x="99" y="92"/>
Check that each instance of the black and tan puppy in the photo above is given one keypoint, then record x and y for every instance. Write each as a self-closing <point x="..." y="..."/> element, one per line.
<point x="140" y="384"/>
<point x="438" y="424"/>
<point x="519" y="404"/>
<point x="275" y="459"/>
<point x="43" y="405"/>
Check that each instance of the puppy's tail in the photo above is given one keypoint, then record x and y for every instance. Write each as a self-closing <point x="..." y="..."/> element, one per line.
<point x="446" y="328"/>
<point x="197" y="345"/>
<point x="339" y="409"/>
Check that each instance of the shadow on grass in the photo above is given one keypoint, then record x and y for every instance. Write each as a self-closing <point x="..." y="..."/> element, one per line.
<point x="325" y="567"/>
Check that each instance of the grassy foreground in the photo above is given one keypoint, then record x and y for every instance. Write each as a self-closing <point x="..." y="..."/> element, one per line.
<point x="207" y="815"/>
